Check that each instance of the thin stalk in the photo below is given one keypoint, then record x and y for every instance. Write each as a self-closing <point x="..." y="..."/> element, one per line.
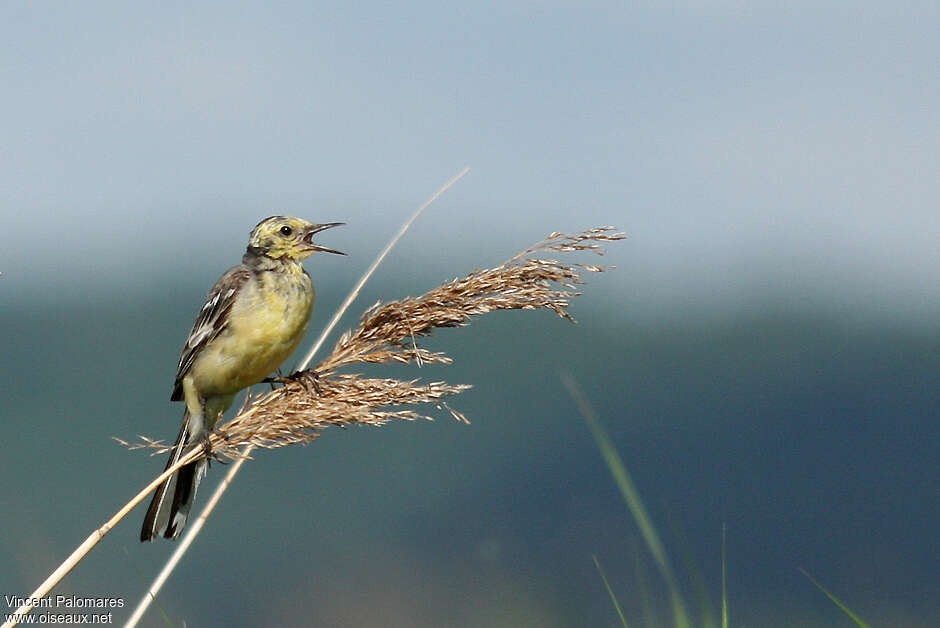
<point x="610" y="592"/>
<point x="375" y="264"/>
<point x="845" y="609"/>
<point x="82" y="550"/>
<point x="191" y="533"/>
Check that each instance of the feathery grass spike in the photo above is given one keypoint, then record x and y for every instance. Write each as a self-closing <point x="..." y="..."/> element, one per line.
<point x="391" y="332"/>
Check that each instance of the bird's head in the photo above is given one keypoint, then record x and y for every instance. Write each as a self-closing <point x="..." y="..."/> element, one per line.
<point x="285" y="237"/>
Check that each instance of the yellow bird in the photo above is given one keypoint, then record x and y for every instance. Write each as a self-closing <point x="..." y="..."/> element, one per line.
<point x="253" y="319"/>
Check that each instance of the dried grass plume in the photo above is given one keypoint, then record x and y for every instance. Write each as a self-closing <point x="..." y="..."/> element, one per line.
<point x="312" y="400"/>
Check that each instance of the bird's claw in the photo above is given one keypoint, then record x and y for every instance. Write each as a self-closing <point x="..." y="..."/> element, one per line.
<point x="211" y="455"/>
<point x="307" y="379"/>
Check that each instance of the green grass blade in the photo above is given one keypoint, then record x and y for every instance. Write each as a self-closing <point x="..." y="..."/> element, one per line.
<point x="678" y="608"/>
<point x="836" y="601"/>
<point x="632" y="497"/>
<point x="649" y="611"/>
<point x="610" y="592"/>
<point x="706" y="612"/>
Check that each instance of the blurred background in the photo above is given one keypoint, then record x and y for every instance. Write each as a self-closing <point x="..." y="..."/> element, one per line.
<point x="765" y="355"/>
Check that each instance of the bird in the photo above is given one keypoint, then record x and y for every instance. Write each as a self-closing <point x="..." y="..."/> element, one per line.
<point x="254" y="317"/>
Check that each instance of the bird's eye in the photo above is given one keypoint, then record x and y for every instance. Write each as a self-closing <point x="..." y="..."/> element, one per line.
<point x="286" y="230"/>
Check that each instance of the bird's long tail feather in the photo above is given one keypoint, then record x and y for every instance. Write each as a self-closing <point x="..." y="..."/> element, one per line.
<point x="172" y="501"/>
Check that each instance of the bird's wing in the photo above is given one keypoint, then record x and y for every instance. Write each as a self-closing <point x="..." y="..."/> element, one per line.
<point x="210" y="322"/>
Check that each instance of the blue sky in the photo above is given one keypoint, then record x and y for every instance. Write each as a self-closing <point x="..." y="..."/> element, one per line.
<point x="743" y="146"/>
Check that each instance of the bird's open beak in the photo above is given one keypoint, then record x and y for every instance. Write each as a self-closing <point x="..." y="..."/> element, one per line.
<point x="315" y="229"/>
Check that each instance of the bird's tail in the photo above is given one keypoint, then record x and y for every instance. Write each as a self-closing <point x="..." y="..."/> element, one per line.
<point x="173" y="499"/>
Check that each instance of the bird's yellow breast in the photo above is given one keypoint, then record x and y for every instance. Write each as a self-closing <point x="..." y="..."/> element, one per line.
<point x="266" y="324"/>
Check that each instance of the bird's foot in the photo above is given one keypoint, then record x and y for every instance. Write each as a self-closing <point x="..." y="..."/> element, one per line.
<point x="309" y="379"/>
<point x="280" y="379"/>
<point x="207" y="449"/>
<point x="211" y="455"/>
